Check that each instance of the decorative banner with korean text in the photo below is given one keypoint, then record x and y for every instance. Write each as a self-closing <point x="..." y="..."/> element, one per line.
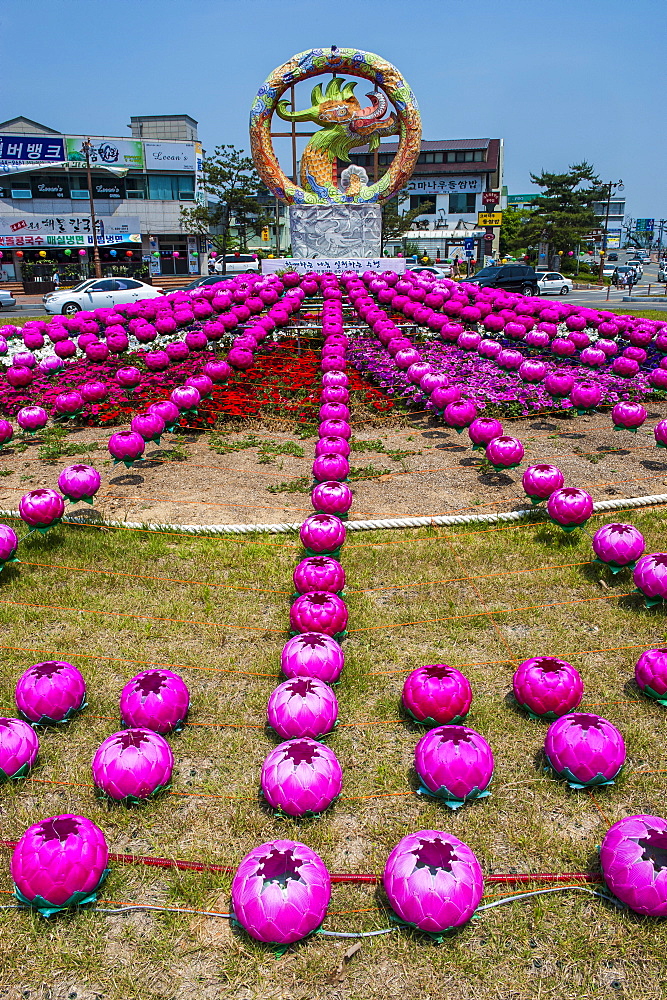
<point x="444" y="185"/>
<point x="333" y="265"/>
<point x="106" y="152"/>
<point x="20" y="152"/>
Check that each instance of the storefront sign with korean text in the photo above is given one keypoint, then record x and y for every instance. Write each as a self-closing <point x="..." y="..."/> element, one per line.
<point x="68" y="224"/>
<point x="489" y="218"/>
<point x="444" y="185"/>
<point x="18" y="152"/>
<point x="333" y="265"/>
<point x="169" y="155"/>
<point x="106" y="152"/>
<point x="21" y="241"/>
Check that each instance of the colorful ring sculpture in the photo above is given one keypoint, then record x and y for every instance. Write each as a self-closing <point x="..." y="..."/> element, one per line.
<point x="345" y="124"/>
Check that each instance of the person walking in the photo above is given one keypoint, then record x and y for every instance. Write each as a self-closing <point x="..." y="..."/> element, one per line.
<point x="631" y="279"/>
<point x="56" y="280"/>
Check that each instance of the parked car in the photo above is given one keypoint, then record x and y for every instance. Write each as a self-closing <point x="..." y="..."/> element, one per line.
<point x="511" y="277"/>
<point x="608" y="269"/>
<point x="445" y="271"/>
<point x="211" y="279"/>
<point x="7" y="300"/>
<point x="662" y="270"/>
<point x="96" y="293"/>
<point x="237" y="263"/>
<point x="554" y="283"/>
<point x="612" y="256"/>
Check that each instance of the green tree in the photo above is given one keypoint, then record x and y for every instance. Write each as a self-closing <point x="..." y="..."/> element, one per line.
<point x="232" y="187"/>
<point x="511" y="232"/>
<point x="563" y="214"/>
<point x="395" y="222"/>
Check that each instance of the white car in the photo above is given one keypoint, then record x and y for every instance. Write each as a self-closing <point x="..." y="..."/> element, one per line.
<point x="98" y="293"/>
<point x="7" y="300"/>
<point x="237" y="264"/>
<point x="662" y="270"/>
<point x="553" y="283"/>
<point x="444" y="271"/>
<point x="638" y="266"/>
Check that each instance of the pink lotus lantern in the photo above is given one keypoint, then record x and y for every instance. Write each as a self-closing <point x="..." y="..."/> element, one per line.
<point x="150" y="426"/>
<point x="628" y="416"/>
<point x="334" y="394"/>
<point x="155" y="699"/>
<point x="558" y="384"/>
<point x="585" y="396"/>
<point x="133" y="765"/>
<point x="319" y="611"/>
<point x="454" y="763"/>
<point x="651" y="674"/>
<point x="301" y="777"/>
<point x="533" y="371"/>
<point x="68" y="404"/>
<point x="186" y="398"/>
<point x="157" y="361"/>
<point x="41" y="509"/>
<point x="6" y="432"/>
<point x="319" y="573"/>
<point x="334" y="411"/>
<point x="302" y="706"/>
<point x="281" y="892"/>
<point x="50" y="692"/>
<point x="9" y="543"/>
<point x="332" y="446"/>
<point x="312" y="654"/>
<point x="437" y="694"/>
<point x="632" y="858"/>
<point x="584" y="749"/>
<point x="330" y="467"/>
<point x="483" y="430"/>
<point x="570" y="507"/>
<point x="129" y="378"/>
<point x="335" y="428"/>
<point x="19" y="747"/>
<point x="540" y="481"/>
<point x="93" y="392"/>
<point x="32" y="418"/>
<point x="217" y="371"/>
<point x="443" y="395"/>
<point x="332" y="498"/>
<point x="59" y="862"/>
<point x="19" y="377"/>
<point x="79" y="483"/>
<point x="618" y="545"/>
<point x="504" y="452"/>
<point x="127" y="447"/>
<point x="625" y="367"/>
<point x="433" y="881"/>
<point x="322" y="534"/>
<point x="459" y="414"/>
<point x="335" y="378"/>
<point x="546" y="687"/>
<point x="167" y="411"/>
<point x="650" y="577"/>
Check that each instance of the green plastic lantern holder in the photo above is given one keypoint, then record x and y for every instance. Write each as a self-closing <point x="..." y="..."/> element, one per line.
<point x="4" y="562"/>
<point x="452" y="801"/>
<point x="333" y="553"/>
<point x="42" y="529"/>
<point x="431" y="723"/>
<point x="21" y="773"/>
<point x="308" y="814"/>
<point x="536" y="500"/>
<point x="341" y="517"/>
<point x="503" y="468"/>
<point x="649" y="602"/>
<point x="585" y="413"/>
<point x="620" y="427"/>
<point x="534" y="717"/>
<point x="659" y="444"/>
<point x="131" y="800"/>
<point x="339" y="636"/>
<point x="89" y="500"/>
<point x="128" y="462"/>
<point x="568" y="527"/>
<point x="46" y="720"/>
<point x="68" y="416"/>
<point x="650" y="693"/>
<point x="615" y="567"/>
<point x="437" y="937"/>
<point x="599" y="781"/>
<point x="48" y="909"/>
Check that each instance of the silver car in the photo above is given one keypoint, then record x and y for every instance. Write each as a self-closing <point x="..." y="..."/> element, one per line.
<point x="662" y="270"/>
<point x="7" y="300"/>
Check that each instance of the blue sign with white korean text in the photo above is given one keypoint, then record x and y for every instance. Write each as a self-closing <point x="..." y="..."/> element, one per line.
<point x="31" y="148"/>
<point x="468" y="243"/>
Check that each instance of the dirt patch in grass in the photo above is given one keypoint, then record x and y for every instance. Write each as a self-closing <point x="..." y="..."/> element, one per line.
<point x="114" y="601"/>
<point x="259" y="473"/>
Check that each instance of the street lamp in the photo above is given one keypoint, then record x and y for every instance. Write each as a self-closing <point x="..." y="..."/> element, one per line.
<point x="611" y="186"/>
<point x="87" y="147"/>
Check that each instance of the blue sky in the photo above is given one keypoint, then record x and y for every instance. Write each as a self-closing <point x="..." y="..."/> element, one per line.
<point x="559" y="82"/>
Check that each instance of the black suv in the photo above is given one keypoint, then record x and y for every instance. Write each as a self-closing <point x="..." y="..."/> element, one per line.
<point x="510" y="277"/>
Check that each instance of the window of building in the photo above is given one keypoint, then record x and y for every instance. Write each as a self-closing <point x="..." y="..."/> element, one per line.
<point x="50" y="186"/>
<point x="425" y="202"/>
<point x="480" y="155"/>
<point x="171" y="187"/>
<point x="461" y="204"/>
<point x="78" y="187"/>
<point x="135" y="187"/>
<point x="21" y="188"/>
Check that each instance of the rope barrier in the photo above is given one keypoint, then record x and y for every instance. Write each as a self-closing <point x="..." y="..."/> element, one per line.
<point x="450" y="520"/>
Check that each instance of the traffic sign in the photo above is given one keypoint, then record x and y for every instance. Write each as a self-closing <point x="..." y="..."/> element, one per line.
<point x="488" y="236"/>
<point x="489" y="218"/>
<point x="468" y="254"/>
<point x="490" y="197"/>
<point x="645" y="225"/>
<point x="468" y="243"/>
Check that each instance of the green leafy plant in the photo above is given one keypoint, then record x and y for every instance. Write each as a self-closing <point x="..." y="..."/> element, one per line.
<point x="269" y="449"/>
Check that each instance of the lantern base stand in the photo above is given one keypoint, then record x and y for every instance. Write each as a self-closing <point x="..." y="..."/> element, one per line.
<point x="335" y="230"/>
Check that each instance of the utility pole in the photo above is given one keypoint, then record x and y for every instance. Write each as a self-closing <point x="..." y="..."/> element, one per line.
<point x="603" y="253"/>
<point x="97" y="264"/>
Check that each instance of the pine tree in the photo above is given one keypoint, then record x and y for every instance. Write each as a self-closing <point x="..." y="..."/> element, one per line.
<point x="563" y="213"/>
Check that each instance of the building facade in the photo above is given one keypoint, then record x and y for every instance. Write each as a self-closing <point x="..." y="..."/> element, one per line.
<point x="448" y="183"/>
<point x="139" y="185"/>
